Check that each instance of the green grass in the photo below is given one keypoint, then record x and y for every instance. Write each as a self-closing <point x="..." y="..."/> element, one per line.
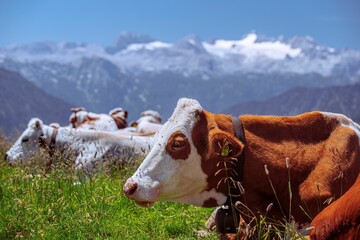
<point x="35" y="205"/>
<point x="46" y="204"/>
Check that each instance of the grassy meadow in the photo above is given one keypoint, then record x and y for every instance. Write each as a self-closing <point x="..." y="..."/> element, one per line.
<point x="60" y="203"/>
<point x="35" y="204"/>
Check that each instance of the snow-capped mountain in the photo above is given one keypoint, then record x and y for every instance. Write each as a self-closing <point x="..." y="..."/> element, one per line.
<point x="253" y="53"/>
<point x="140" y="72"/>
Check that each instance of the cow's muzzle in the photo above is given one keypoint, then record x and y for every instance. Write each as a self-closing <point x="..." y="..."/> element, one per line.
<point x="145" y="195"/>
<point x="7" y="159"/>
<point x="130" y="187"/>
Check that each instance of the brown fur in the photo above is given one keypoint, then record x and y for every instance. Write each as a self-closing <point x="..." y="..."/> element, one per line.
<point x="120" y="122"/>
<point x="323" y="155"/>
<point x="178" y="146"/>
<point x="340" y="220"/>
<point x="141" y="134"/>
<point x="89" y="120"/>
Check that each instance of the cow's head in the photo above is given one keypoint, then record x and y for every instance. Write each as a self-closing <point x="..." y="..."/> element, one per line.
<point x="156" y="118"/>
<point x="187" y="161"/>
<point x="120" y="117"/>
<point x="27" y="145"/>
<point x="78" y="116"/>
<point x="148" y="116"/>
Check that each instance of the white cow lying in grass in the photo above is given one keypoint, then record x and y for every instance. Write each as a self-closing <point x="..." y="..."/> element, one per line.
<point x="116" y="119"/>
<point x="150" y="121"/>
<point x="88" y="146"/>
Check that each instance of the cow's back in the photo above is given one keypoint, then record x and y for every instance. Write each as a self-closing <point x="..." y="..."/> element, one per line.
<point x="318" y="153"/>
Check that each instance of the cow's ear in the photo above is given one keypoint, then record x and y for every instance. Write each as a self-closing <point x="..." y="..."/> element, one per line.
<point x="38" y="124"/>
<point x="72" y="118"/>
<point x="35" y="123"/>
<point x="225" y="144"/>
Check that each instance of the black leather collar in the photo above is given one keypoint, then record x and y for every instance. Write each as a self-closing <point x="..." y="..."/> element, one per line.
<point x="227" y="217"/>
<point x="236" y="191"/>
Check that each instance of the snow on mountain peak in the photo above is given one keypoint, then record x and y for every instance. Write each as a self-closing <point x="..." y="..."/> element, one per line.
<point x="252" y="53"/>
<point x="147" y="46"/>
<point x="249" y="47"/>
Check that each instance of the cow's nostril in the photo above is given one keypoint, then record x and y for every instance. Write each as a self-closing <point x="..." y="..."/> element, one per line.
<point x="130" y="188"/>
<point x="5" y="157"/>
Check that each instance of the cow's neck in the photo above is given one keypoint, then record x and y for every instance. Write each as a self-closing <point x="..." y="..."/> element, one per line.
<point x="239" y="164"/>
<point x="49" y="138"/>
<point x="58" y="137"/>
<point x="233" y="126"/>
<point x="227" y="218"/>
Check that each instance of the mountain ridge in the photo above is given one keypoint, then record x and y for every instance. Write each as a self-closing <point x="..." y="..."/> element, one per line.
<point x="337" y="99"/>
<point x="21" y="100"/>
<point x="141" y="72"/>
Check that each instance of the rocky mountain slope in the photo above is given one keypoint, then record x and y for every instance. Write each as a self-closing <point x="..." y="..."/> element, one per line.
<point x="338" y="99"/>
<point x="21" y="100"/>
<point x="138" y="72"/>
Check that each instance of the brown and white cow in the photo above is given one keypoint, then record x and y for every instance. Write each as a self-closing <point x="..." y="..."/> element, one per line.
<point x="116" y="119"/>
<point x="150" y="121"/>
<point x="197" y="159"/>
<point x="88" y="147"/>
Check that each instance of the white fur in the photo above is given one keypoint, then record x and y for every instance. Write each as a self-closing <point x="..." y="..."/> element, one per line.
<point x="345" y="121"/>
<point x="150" y="121"/>
<point x="103" y="122"/>
<point x="87" y="145"/>
<point x="148" y="127"/>
<point x="160" y="177"/>
<point x="152" y="113"/>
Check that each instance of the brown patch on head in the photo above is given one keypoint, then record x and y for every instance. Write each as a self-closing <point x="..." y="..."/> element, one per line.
<point x="178" y="146"/>
<point x="211" y="202"/>
<point x="200" y="134"/>
<point x="120" y="122"/>
<point x="73" y="120"/>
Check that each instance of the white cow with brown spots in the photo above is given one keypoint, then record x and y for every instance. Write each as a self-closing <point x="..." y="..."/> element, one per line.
<point x="149" y="122"/>
<point x="87" y="146"/>
<point x="115" y="120"/>
<point x="208" y="160"/>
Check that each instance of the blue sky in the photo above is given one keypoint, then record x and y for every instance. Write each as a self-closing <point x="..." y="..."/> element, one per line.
<point x="334" y="23"/>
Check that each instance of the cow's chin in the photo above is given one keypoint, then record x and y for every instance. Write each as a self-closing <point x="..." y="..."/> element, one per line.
<point x="145" y="204"/>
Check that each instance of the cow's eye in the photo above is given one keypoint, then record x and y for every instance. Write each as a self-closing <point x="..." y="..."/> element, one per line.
<point x="25" y="140"/>
<point x="179" y="142"/>
<point x="178" y="146"/>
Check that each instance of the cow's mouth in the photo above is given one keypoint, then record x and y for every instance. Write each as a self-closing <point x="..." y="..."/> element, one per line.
<point x="145" y="204"/>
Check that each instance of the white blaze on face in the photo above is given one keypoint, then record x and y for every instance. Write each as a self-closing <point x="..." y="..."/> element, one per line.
<point x="173" y="175"/>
